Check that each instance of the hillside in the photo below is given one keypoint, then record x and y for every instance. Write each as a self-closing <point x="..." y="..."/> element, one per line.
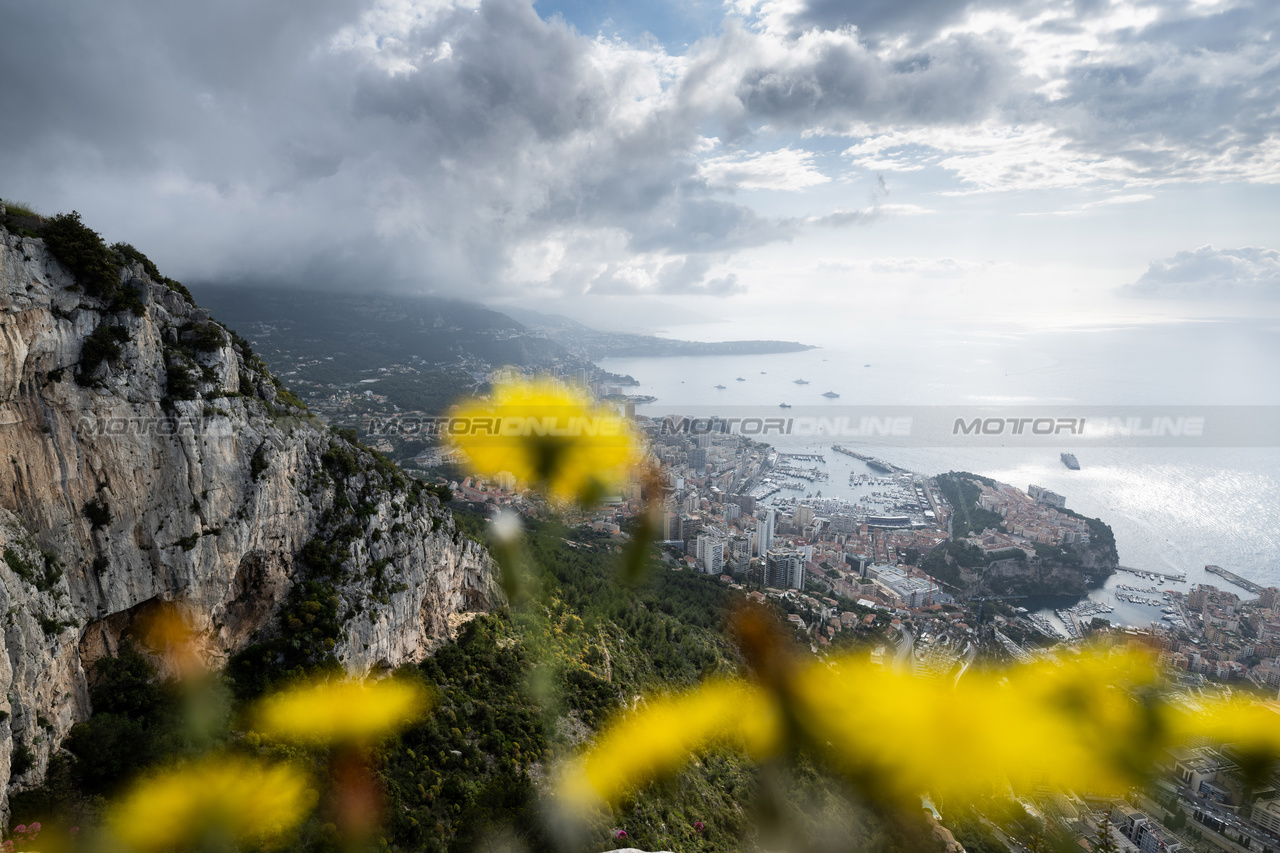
<point x="589" y="343"/>
<point x="148" y="455"/>
<point x="152" y="458"/>
<point x="420" y="352"/>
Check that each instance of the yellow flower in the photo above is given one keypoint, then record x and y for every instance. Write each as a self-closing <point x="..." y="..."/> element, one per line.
<point x="166" y="628"/>
<point x="660" y="738"/>
<point x="1096" y="723"/>
<point x="549" y="436"/>
<point x="1078" y="725"/>
<point x="342" y="710"/>
<point x="220" y="796"/>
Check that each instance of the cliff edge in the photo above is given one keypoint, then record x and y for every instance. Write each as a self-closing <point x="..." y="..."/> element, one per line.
<point x="147" y="456"/>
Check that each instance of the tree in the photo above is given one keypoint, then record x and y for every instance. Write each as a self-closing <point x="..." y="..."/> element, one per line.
<point x="1106" y="841"/>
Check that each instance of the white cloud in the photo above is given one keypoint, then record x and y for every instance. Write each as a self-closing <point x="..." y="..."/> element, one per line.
<point x="1248" y="273"/>
<point x="784" y="169"/>
<point x="1110" y="201"/>
<point x="907" y="266"/>
<point x="1132" y="198"/>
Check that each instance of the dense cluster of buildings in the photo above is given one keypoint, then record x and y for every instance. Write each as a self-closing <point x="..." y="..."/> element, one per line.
<point x="1226" y="638"/>
<point x="1033" y="516"/>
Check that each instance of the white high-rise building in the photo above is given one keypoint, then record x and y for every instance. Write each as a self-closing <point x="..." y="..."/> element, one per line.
<point x="713" y="557"/>
<point x="764" y="532"/>
<point x="784" y="569"/>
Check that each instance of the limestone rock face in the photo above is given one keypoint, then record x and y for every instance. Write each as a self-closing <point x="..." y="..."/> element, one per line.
<point x="170" y="470"/>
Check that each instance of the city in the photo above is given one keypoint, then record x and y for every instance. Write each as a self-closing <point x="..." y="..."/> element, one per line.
<point x="925" y="575"/>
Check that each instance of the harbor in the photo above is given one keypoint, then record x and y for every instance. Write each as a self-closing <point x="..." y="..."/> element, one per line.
<point x="1151" y="574"/>
<point x="1232" y="577"/>
<point x="871" y="461"/>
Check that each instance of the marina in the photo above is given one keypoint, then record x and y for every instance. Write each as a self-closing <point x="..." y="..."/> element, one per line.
<point x="1138" y="599"/>
<point x="1151" y="574"/>
<point x="1071" y="616"/>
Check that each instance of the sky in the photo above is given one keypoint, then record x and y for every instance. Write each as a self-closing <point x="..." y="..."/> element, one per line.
<point x="1062" y="164"/>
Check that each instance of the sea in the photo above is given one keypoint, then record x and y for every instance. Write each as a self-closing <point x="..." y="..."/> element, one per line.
<point x="1174" y="509"/>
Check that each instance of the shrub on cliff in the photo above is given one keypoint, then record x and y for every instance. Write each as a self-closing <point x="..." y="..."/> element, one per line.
<point x="102" y="345"/>
<point x="80" y="249"/>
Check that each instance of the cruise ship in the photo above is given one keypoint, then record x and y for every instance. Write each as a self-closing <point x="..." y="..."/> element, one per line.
<point x="1069" y="459"/>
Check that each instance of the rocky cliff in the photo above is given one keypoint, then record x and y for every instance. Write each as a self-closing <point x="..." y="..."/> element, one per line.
<point x="147" y="456"/>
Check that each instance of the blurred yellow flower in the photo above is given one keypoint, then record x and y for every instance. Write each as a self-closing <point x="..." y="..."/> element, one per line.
<point x="347" y="710"/>
<point x="1096" y="723"/>
<point x="1078" y="725"/>
<point x="219" y="797"/>
<point x="167" y="629"/>
<point x="660" y="738"/>
<point x="549" y="436"/>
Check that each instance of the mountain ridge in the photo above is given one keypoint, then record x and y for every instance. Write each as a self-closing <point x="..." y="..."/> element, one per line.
<point x="150" y="457"/>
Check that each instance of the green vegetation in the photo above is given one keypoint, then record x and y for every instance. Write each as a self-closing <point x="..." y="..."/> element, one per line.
<point x="961" y="491"/>
<point x="18" y="208"/>
<point x="307" y="628"/>
<point x="1100" y="533"/>
<point x="80" y="249"/>
<point x="98" y="513"/>
<point x="518" y="690"/>
<point x="258" y="463"/>
<point x="44" y="577"/>
<point x="102" y="346"/>
<point x="180" y="382"/>
<point x="128" y="252"/>
<point x="946" y="561"/>
<point x="136" y="723"/>
<point x="22" y="759"/>
<point x="20" y="567"/>
<point x="202" y="337"/>
<point x="132" y="254"/>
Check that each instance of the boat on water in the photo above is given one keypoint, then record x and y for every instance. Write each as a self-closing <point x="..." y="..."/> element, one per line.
<point x="832" y="394"/>
<point x="866" y="365"/>
<point x="784" y="405"/>
<point x="740" y="379"/>
<point x="1069" y="459"/>
<point x="721" y="387"/>
<point x="802" y="382"/>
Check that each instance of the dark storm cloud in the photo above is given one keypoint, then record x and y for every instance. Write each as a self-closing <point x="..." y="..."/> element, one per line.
<point x="415" y="163"/>
<point x="960" y="79"/>
<point x="875" y="18"/>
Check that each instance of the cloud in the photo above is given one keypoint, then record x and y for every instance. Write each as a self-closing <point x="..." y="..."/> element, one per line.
<point x="401" y="145"/>
<point x="1015" y="96"/>
<point x="472" y="147"/>
<point x="1248" y="273"/>
<point x="1110" y="201"/>
<point x="1132" y="198"/>
<point x="922" y="267"/>
<point x="785" y="169"/>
